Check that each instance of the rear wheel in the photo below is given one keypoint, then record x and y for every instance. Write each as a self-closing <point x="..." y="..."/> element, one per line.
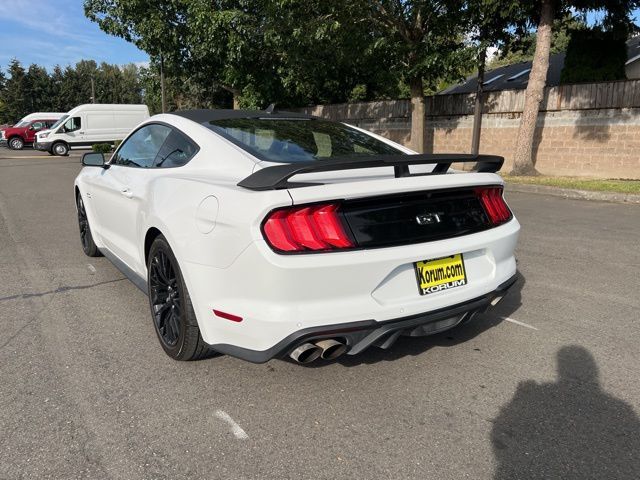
<point x="60" y="149"/>
<point x="173" y="317"/>
<point x="16" y="143"/>
<point x="88" y="245"/>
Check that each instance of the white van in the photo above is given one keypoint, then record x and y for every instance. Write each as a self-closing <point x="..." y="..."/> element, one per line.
<point x="89" y="124"/>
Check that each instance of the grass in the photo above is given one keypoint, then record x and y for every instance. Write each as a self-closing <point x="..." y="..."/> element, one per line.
<point x="580" y="183"/>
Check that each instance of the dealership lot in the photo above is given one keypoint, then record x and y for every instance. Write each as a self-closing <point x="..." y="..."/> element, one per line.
<point x="545" y="385"/>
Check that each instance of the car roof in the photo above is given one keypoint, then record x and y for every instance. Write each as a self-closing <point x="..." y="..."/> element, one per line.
<point x="205" y="116"/>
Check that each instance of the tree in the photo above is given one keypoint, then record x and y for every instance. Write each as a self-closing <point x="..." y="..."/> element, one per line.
<point x="3" y="107"/>
<point x="489" y="21"/>
<point x="38" y="86"/>
<point x="15" y="92"/>
<point x="425" y="36"/>
<point x="617" y="17"/>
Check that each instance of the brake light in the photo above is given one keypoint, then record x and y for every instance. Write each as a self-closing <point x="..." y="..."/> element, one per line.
<point x="493" y="204"/>
<point x="310" y="228"/>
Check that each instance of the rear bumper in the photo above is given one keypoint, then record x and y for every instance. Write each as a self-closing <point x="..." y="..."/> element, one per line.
<point x="359" y="336"/>
<point x="278" y="296"/>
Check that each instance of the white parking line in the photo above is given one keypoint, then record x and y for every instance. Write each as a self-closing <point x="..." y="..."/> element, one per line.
<point x="237" y="430"/>
<point x="517" y="322"/>
<point x="91" y="268"/>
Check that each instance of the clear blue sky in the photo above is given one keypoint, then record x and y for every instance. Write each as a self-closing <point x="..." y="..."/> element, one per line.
<point x="50" y="32"/>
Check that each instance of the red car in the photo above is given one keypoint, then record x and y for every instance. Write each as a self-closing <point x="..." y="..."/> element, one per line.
<point x="24" y="133"/>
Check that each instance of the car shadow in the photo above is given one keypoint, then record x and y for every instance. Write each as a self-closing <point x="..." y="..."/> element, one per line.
<point x="569" y="429"/>
<point x="412" y="346"/>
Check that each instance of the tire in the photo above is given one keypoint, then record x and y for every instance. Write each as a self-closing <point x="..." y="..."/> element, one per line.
<point x="16" y="143"/>
<point x="49" y="152"/>
<point x="60" y="148"/>
<point x="171" y="310"/>
<point x="86" y="238"/>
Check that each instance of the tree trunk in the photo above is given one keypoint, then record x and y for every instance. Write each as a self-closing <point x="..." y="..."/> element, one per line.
<point x="477" y="111"/>
<point x="417" y="115"/>
<point x="163" y="99"/>
<point x="523" y="160"/>
<point x="236" y="101"/>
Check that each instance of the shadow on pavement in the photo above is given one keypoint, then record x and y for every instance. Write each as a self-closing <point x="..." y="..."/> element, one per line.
<point x="570" y="429"/>
<point x="412" y="346"/>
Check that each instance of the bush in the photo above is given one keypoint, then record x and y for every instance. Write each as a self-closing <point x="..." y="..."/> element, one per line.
<point x="594" y="56"/>
<point x="116" y="144"/>
<point x="101" y="148"/>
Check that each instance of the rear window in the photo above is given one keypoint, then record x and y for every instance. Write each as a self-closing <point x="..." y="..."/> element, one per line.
<point x="298" y="140"/>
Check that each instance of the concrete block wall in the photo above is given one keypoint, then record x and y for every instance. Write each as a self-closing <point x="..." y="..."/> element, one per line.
<point x="603" y="143"/>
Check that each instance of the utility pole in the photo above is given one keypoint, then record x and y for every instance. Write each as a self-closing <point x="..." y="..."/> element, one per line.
<point x="164" y="102"/>
<point x="93" y="91"/>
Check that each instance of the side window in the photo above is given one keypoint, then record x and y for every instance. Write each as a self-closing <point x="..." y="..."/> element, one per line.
<point x="72" y="124"/>
<point x="141" y="148"/>
<point x="176" y="151"/>
<point x="37" y="125"/>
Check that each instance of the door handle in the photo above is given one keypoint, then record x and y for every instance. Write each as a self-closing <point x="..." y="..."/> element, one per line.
<point x="126" y="191"/>
<point x="81" y="133"/>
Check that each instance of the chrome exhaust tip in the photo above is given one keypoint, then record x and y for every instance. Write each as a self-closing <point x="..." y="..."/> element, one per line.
<point x="306" y="353"/>
<point x="331" y="349"/>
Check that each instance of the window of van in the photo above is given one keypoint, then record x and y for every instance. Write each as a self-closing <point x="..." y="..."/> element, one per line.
<point x="72" y="124"/>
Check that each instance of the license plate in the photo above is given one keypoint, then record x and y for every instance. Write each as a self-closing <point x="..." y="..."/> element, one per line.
<point x="440" y="274"/>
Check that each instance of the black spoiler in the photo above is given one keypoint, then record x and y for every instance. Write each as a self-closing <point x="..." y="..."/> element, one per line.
<point x="277" y="177"/>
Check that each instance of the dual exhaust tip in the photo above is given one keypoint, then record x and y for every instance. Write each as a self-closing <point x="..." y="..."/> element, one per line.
<point x="327" y="349"/>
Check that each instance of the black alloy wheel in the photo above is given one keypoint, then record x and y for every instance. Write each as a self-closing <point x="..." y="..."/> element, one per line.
<point x="166" y="304"/>
<point x="173" y="316"/>
<point x="86" y="238"/>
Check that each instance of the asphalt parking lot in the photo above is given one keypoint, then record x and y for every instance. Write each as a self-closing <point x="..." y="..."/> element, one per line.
<point x="547" y="385"/>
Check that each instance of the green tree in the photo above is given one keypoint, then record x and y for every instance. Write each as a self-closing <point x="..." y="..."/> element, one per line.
<point x="426" y="38"/>
<point x="38" y="87"/>
<point x="3" y="107"/>
<point x="594" y="55"/>
<point x="15" y="92"/>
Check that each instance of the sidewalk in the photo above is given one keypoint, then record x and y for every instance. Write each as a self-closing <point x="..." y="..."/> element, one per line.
<point x="574" y="194"/>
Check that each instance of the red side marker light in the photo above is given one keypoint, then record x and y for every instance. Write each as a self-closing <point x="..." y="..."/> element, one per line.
<point x="227" y="316"/>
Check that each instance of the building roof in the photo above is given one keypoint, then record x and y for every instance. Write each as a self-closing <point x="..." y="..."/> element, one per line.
<point x="516" y="76"/>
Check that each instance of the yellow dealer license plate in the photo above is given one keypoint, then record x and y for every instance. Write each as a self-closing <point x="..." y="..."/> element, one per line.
<point x="440" y="274"/>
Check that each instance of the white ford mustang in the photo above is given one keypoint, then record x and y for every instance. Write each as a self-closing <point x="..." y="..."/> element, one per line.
<point x="266" y="234"/>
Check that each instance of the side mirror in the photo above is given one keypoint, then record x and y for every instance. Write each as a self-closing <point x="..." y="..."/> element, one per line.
<point x="93" y="159"/>
<point x="31" y="127"/>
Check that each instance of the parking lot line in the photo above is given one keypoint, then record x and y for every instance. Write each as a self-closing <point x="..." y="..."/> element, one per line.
<point x="517" y="322"/>
<point x="237" y="430"/>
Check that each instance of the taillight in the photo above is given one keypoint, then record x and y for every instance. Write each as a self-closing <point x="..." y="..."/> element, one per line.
<point x="493" y="204"/>
<point x="309" y="228"/>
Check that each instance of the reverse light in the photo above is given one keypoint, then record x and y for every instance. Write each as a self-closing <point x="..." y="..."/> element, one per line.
<point x="493" y="204"/>
<point x="309" y="228"/>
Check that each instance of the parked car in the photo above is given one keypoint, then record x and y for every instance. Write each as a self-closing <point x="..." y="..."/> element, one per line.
<point x="89" y="124"/>
<point x="36" y="115"/>
<point x="24" y="132"/>
<point x="265" y="235"/>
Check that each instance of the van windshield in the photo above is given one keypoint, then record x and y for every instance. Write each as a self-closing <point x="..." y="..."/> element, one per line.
<point x="298" y="140"/>
<point x="59" y="122"/>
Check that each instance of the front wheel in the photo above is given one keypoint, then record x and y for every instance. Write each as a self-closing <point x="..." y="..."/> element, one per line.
<point x="60" y="149"/>
<point x="16" y="143"/>
<point x="171" y="309"/>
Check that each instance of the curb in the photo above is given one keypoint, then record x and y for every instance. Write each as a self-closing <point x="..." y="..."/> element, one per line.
<point x="628" y="198"/>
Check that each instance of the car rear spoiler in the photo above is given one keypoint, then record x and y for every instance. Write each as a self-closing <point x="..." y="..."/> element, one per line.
<point x="277" y="177"/>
